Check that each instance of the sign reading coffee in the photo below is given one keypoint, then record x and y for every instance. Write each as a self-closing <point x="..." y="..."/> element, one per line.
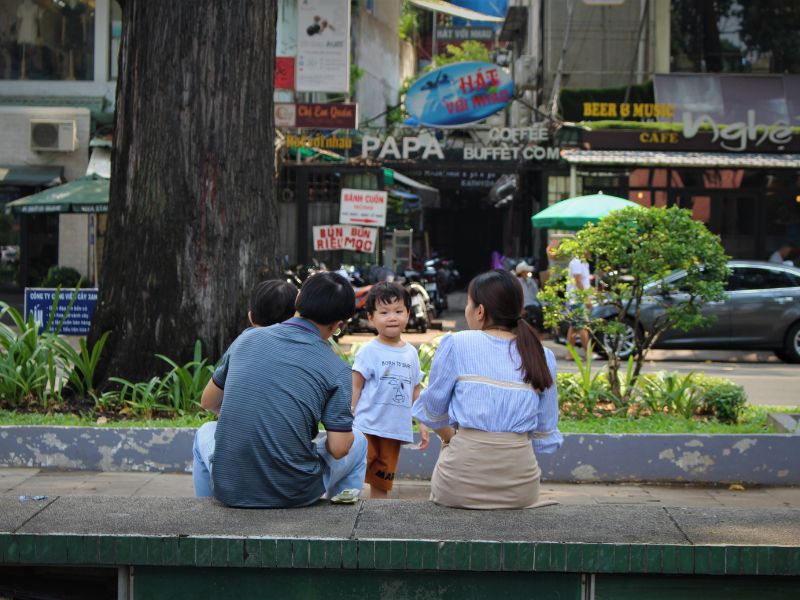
<point x="505" y="143"/>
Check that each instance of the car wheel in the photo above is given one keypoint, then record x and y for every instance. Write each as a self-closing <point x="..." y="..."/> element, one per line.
<point x="624" y="343"/>
<point x="791" y="345"/>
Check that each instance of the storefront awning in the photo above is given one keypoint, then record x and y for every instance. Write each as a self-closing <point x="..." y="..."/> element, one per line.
<point x="410" y="201"/>
<point x="456" y="11"/>
<point x="711" y="160"/>
<point x="31" y="176"/>
<point x="84" y="195"/>
<point x="429" y="195"/>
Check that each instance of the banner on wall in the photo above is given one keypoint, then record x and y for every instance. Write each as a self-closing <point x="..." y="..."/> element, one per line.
<point x="323" y="46"/>
<point x="345" y="237"/>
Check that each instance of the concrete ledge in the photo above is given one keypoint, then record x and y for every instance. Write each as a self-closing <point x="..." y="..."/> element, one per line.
<point x="399" y="535"/>
<point x="763" y="459"/>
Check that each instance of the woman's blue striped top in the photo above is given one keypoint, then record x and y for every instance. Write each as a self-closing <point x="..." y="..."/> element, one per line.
<point x="476" y="382"/>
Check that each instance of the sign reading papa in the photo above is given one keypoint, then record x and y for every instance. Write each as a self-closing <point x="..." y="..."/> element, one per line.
<point x="39" y="302"/>
<point x="345" y="237"/>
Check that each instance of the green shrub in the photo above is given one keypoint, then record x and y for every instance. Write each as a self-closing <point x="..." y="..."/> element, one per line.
<point x="65" y="277"/>
<point x="721" y="398"/>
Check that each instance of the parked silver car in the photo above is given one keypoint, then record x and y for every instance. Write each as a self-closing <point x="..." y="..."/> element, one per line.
<point x="761" y="311"/>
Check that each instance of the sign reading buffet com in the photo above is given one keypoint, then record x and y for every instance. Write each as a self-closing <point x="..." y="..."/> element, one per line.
<point x="363" y="207"/>
<point x="345" y="237"/>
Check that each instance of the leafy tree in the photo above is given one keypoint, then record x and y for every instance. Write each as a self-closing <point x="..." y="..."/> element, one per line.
<point x="192" y="222"/>
<point x="773" y="27"/>
<point x="632" y="250"/>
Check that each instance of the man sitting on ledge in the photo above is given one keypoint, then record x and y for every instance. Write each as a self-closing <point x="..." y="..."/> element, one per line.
<point x="281" y="381"/>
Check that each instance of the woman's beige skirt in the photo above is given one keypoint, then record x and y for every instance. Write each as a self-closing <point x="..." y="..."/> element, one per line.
<point x="485" y="470"/>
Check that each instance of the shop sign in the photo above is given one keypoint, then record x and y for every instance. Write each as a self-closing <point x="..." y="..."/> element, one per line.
<point x="327" y="116"/>
<point x="626" y="110"/>
<point x="323" y="142"/>
<point x="736" y="136"/>
<point x="323" y="46"/>
<point x="285" y="115"/>
<point x="460" y="34"/>
<point x="284" y="72"/>
<point x="459" y="94"/>
<point x="505" y="143"/>
<point x="39" y="303"/>
<point x="363" y="207"/>
<point x="345" y="237"/>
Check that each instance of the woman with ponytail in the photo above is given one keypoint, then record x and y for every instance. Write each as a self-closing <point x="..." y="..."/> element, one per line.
<point x="491" y="391"/>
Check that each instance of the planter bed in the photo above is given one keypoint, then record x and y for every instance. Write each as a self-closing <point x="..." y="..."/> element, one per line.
<point x="755" y="459"/>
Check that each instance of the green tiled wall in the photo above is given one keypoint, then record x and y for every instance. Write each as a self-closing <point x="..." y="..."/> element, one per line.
<point x="399" y="555"/>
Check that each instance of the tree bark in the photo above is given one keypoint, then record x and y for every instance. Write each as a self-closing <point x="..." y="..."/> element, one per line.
<point x="192" y="214"/>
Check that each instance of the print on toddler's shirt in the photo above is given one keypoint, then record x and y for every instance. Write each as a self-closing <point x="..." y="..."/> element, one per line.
<point x="396" y="375"/>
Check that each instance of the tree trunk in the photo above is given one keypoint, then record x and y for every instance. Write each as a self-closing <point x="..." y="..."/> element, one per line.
<point x="192" y="215"/>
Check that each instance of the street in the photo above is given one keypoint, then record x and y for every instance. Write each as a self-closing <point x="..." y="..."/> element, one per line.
<point x="766" y="379"/>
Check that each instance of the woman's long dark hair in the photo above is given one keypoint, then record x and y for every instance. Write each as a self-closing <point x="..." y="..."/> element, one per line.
<point x="501" y="296"/>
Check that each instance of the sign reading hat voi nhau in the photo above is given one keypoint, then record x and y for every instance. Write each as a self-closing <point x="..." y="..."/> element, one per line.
<point x="363" y="207"/>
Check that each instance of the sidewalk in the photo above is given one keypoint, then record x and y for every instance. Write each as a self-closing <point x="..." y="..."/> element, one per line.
<point x="39" y="482"/>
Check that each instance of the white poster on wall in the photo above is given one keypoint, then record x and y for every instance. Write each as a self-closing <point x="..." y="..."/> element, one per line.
<point x="323" y="46"/>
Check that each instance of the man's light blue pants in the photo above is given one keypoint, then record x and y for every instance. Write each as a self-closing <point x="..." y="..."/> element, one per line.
<point x="337" y="475"/>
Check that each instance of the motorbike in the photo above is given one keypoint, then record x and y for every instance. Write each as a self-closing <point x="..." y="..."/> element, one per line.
<point x="422" y="311"/>
<point x="441" y="277"/>
<point x="359" y="322"/>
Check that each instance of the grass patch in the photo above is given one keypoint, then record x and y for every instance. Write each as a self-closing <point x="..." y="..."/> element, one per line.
<point x="752" y="420"/>
<point x="13" y="418"/>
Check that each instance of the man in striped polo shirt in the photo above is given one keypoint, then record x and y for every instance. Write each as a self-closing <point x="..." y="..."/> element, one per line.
<point x="280" y="383"/>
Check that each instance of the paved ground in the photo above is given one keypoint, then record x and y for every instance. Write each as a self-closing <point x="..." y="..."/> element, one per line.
<point x="39" y="482"/>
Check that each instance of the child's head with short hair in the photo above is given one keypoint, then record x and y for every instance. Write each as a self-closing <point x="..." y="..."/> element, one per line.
<point x="326" y="298"/>
<point x="388" y="308"/>
<point x="386" y="292"/>
<point x="271" y="302"/>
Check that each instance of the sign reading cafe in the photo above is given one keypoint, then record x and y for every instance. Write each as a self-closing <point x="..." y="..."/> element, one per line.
<point x="735" y="136"/>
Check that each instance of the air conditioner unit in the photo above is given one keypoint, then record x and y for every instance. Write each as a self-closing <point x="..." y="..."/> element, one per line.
<point x="50" y="135"/>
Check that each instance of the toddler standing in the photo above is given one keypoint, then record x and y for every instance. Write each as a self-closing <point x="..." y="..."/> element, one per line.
<point x="386" y="381"/>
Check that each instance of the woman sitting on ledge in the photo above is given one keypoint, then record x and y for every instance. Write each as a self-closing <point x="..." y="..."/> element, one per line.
<point x="491" y="390"/>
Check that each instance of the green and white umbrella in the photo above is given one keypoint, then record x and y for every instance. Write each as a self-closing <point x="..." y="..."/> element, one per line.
<point x="574" y="213"/>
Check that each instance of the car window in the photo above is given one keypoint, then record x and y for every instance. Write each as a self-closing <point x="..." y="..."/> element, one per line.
<point x="761" y="278"/>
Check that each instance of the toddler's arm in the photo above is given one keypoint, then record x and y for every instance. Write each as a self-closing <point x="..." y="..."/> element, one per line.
<point x="358" y="386"/>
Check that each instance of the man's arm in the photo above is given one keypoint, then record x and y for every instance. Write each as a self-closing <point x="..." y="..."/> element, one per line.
<point x="338" y="443"/>
<point x="211" y="399"/>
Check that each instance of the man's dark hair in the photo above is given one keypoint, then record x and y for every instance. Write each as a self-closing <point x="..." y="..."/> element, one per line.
<point x="326" y="298"/>
<point x="386" y="292"/>
<point x="272" y="302"/>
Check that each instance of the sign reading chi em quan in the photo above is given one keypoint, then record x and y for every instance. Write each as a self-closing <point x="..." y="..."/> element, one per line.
<point x="345" y="237"/>
<point x="363" y="207"/>
<point x="459" y="94"/>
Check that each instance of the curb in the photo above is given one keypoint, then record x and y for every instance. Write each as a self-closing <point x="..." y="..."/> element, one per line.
<point x="758" y="459"/>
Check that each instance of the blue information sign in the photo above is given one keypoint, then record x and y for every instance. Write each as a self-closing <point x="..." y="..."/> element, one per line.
<point x="39" y="302"/>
